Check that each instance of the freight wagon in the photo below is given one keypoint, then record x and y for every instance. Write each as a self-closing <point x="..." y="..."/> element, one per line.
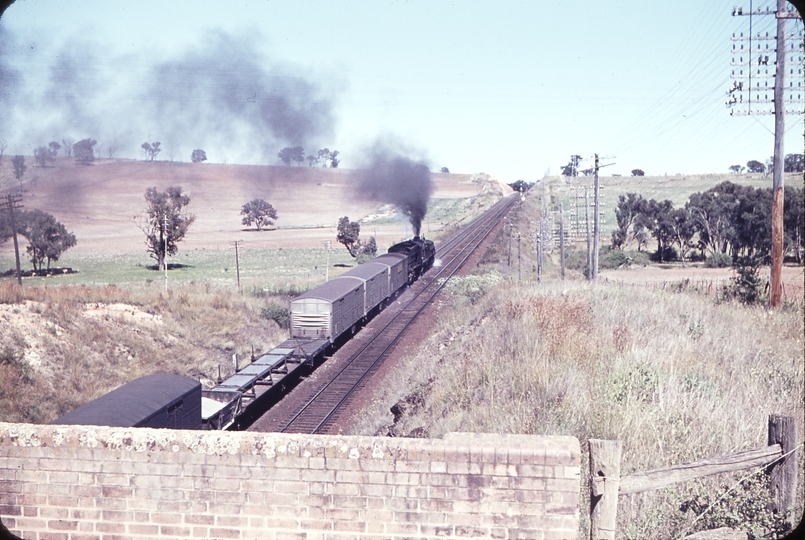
<point x="160" y="400"/>
<point x="336" y="308"/>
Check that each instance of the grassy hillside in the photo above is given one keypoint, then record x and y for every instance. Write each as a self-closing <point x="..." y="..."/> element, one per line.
<point x="103" y="204"/>
<point x="677" y="376"/>
<point x="677" y="188"/>
<point x="100" y="203"/>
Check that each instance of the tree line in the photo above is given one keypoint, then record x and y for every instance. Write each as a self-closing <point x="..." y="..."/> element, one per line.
<point x="723" y="223"/>
<point x="791" y="163"/>
<point x="85" y="153"/>
<point x="297" y="155"/>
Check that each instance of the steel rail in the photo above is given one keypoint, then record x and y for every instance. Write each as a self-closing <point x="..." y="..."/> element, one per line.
<point x="476" y="229"/>
<point x="426" y="303"/>
<point x="477" y="232"/>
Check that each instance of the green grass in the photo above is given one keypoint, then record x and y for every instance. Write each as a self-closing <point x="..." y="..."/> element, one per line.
<point x="270" y="269"/>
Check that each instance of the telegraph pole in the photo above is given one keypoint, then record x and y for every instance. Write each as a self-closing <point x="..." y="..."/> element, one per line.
<point x="539" y="253"/>
<point x="562" y="238"/>
<point x="237" y="261"/>
<point x="12" y="203"/>
<point x="165" y="257"/>
<point x="596" y="221"/>
<point x="781" y="14"/>
<point x="589" y="246"/>
<point x="326" y="244"/>
<point x="511" y="233"/>
<point x="776" y="289"/>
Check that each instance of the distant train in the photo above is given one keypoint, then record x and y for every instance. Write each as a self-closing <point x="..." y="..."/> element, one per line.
<point x="334" y="310"/>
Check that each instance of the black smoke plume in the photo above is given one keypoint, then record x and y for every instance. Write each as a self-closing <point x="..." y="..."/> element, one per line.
<point x="228" y="92"/>
<point x="391" y="177"/>
<point x="222" y="95"/>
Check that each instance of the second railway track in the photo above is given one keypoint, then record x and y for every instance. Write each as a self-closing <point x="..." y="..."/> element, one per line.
<point x="320" y="410"/>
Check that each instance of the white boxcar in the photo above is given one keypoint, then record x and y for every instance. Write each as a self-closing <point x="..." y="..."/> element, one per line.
<point x="398" y="269"/>
<point x="376" y="279"/>
<point x="329" y="310"/>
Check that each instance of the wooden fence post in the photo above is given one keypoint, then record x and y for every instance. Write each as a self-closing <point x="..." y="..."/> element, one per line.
<point x="605" y="472"/>
<point x="783" y="474"/>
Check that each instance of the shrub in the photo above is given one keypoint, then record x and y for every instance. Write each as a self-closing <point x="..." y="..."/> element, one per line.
<point x="746" y="285"/>
<point x="669" y="253"/>
<point x="718" y="260"/>
<point x="614" y="259"/>
<point x="745" y="506"/>
<point x="277" y="313"/>
<point x="472" y="287"/>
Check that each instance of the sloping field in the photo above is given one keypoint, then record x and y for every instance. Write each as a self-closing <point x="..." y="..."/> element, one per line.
<point x="101" y="203"/>
<point x="677" y="188"/>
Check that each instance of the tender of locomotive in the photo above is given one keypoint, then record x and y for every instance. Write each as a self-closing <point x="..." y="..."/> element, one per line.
<point x="336" y="308"/>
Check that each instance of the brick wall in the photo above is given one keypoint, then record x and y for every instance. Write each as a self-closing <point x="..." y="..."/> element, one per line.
<point x="77" y="482"/>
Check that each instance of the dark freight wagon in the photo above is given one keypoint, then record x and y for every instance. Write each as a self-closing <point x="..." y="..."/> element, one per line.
<point x="158" y="401"/>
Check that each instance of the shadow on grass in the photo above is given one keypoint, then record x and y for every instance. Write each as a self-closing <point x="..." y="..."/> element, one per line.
<point x="171" y="266"/>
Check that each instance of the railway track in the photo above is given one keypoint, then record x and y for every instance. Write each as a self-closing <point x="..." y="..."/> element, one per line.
<point x="320" y="412"/>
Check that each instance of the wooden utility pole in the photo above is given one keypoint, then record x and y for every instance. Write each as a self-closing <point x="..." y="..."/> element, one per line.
<point x="511" y="234"/>
<point x="519" y="266"/>
<point x="589" y="245"/>
<point x="237" y="261"/>
<point x="596" y="221"/>
<point x="776" y="289"/>
<point x="327" y="263"/>
<point x="562" y="238"/>
<point x="12" y="203"/>
<point x="777" y="233"/>
<point x="539" y="254"/>
<point x="165" y="256"/>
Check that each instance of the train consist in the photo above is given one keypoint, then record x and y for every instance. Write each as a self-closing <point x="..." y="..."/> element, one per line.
<point x="335" y="309"/>
<point x="321" y="319"/>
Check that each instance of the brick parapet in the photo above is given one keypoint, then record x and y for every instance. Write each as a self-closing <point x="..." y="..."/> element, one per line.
<point x="87" y="481"/>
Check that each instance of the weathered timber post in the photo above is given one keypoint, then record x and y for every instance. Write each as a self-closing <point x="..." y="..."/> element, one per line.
<point x="783" y="474"/>
<point x="562" y="238"/>
<point x="605" y="473"/>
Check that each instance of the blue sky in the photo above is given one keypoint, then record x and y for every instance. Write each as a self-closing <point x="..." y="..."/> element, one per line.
<point x="507" y="88"/>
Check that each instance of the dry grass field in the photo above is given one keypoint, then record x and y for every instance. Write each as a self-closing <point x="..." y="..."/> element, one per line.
<point x="100" y="203"/>
<point x="675" y="374"/>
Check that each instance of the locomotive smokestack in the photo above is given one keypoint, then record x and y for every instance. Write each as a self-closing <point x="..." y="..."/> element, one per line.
<point x="393" y="178"/>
